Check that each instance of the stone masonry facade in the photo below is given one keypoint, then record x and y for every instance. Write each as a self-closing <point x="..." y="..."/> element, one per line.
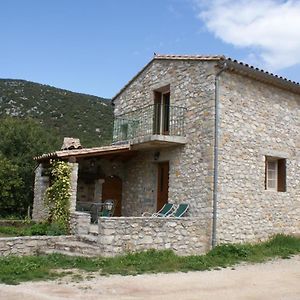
<point x="191" y="166"/>
<point x="257" y="120"/>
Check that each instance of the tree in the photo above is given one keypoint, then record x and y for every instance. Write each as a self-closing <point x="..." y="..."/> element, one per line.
<point x="10" y="185"/>
<point x="21" y="140"/>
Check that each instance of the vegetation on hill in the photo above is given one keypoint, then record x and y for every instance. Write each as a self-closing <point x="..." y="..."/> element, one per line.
<point x="89" y="118"/>
<point x="34" y="118"/>
<point x="17" y="269"/>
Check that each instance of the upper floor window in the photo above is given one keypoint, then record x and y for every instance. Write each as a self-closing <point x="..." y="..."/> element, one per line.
<point x="275" y="174"/>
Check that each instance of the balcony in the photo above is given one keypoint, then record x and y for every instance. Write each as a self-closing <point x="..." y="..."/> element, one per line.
<point x="151" y="126"/>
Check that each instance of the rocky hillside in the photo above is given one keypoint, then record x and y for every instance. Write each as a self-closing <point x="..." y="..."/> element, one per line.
<point x="89" y="118"/>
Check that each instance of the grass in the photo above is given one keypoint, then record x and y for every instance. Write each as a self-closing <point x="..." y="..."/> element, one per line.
<point x="11" y="229"/>
<point x="14" y="270"/>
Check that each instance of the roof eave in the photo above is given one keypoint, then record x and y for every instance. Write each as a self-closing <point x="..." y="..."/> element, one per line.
<point x="261" y="75"/>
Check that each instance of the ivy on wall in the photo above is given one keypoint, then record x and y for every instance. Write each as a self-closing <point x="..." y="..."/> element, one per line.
<point x="58" y="194"/>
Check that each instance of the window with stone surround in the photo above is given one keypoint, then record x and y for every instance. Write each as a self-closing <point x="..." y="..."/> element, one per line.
<point x="275" y="178"/>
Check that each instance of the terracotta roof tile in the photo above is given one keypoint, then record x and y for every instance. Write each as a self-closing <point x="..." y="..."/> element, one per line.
<point x="97" y="151"/>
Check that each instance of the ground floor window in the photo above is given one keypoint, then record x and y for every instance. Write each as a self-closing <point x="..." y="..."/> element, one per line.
<point x="275" y="179"/>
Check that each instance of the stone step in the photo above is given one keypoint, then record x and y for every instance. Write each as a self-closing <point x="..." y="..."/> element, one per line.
<point x="89" y="239"/>
<point x="52" y="251"/>
<point x="93" y="229"/>
<point x="77" y="247"/>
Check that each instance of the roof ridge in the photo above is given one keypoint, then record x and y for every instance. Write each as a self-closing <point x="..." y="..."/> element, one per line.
<point x="188" y="56"/>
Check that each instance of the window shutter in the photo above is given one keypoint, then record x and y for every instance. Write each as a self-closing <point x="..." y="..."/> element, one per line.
<point x="266" y="170"/>
<point x="281" y="175"/>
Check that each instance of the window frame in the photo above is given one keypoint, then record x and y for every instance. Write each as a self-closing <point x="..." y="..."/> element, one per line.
<point x="275" y="172"/>
<point x="279" y="174"/>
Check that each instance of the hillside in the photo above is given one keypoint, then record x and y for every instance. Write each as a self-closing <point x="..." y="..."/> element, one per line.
<point x="89" y="118"/>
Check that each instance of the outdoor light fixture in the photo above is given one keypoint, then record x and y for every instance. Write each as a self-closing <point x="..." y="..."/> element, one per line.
<point x="156" y="155"/>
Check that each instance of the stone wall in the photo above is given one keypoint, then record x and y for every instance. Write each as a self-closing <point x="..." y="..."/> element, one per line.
<point x="191" y="166"/>
<point x="30" y="245"/>
<point x="41" y="183"/>
<point x="73" y="179"/>
<point x="257" y="120"/>
<point x="80" y="223"/>
<point x="185" y="236"/>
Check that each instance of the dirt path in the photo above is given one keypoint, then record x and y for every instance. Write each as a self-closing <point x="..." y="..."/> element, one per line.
<point x="278" y="279"/>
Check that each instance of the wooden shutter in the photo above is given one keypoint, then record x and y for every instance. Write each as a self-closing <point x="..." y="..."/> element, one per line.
<point x="156" y="114"/>
<point x="266" y="173"/>
<point x="281" y="178"/>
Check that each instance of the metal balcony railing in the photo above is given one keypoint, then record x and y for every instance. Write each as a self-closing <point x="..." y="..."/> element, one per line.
<point x="150" y="120"/>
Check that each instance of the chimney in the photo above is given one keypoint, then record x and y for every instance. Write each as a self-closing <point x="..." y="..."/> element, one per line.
<point x="70" y="144"/>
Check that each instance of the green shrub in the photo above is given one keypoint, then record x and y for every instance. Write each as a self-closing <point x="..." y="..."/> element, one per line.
<point x="59" y="193"/>
<point x="56" y="229"/>
<point x="38" y="229"/>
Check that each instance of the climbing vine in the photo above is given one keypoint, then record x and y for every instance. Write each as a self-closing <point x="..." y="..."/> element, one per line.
<point x="58" y="194"/>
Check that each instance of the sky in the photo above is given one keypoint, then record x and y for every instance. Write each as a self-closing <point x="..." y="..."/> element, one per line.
<point x="97" y="46"/>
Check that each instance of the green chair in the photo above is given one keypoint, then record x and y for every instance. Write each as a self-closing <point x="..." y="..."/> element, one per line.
<point x="108" y="208"/>
<point x="165" y="211"/>
<point x="179" y="211"/>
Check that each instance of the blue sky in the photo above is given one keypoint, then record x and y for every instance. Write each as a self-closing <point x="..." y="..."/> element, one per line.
<point x="96" y="46"/>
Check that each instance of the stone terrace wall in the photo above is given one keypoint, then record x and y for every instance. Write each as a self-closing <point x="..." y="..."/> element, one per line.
<point x="185" y="236"/>
<point x="257" y="120"/>
<point x="80" y="223"/>
<point x="30" y="245"/>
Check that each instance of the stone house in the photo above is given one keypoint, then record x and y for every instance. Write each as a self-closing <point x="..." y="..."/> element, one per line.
<point x="209" y="131"/>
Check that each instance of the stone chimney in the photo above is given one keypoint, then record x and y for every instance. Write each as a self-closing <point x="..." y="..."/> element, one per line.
<point x="70" y="144"/>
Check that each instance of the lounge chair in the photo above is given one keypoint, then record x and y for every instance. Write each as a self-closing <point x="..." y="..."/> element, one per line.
<point x="179" y="211"/>
<point x="165" y="211"/>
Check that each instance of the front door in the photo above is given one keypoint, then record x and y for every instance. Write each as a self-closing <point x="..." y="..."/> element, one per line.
<point x="112" y="189"/>
<point x="162" y="184"/>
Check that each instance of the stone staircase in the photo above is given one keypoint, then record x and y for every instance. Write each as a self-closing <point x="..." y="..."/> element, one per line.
<point x="81" y="245"/>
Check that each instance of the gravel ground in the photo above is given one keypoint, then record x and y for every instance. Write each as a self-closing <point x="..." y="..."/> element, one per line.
<point x="278" y="279"/>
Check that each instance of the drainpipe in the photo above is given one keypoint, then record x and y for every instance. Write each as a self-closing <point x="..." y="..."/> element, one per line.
<point x="216" y="158"/>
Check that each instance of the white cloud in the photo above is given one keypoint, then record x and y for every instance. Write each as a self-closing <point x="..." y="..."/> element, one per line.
<point x="270" y="29"/>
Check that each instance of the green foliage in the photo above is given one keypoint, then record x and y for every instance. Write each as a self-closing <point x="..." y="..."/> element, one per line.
<point x="34" y="118"/>
<point x="24" y="229"/>
<point x="58" y="194"/>
<point x="10" y="184"/>
<point x="56" y="229"/>
<point x="20" y="141"/>
<point x="87" y="117"/>
<point x="17" y="269"/>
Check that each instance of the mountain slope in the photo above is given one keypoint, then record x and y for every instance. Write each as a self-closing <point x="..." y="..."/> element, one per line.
<point x="87" y="117"/>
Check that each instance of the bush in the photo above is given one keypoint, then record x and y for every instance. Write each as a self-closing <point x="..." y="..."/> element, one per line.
<point x="37" y="229"/>
<point x="56" y="229"/>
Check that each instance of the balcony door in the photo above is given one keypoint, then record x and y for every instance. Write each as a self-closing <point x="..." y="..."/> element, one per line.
<point x="161" y="124"/>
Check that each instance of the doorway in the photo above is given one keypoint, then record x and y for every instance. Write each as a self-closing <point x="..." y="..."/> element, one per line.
<point x="112" y="189"/>
<point x="162" y="184"/>
<point x="161" y="122"/>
